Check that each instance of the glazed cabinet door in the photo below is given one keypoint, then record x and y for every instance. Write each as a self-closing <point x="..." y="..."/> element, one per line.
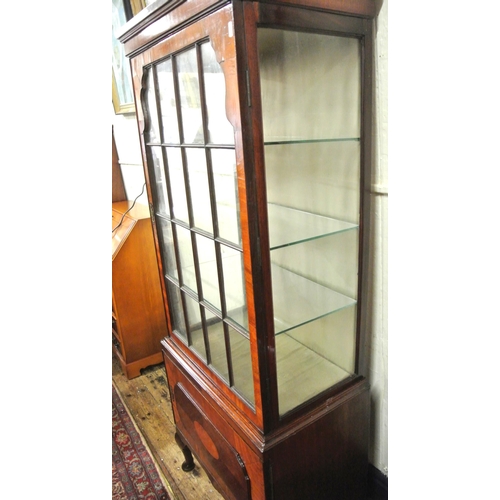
<point x="188" y="90"/>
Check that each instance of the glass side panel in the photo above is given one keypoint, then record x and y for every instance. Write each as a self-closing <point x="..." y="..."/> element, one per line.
<point x="165" y="236"/>
<point x="189" y="90"/>
<point x="226" y="194"/>
<point x="199" y="188"/>
<point x="158" y="181"/>
<point x="177" y="183"/>
<point x="168" y="103"/>
<point x="319" y="178"/>
<point x="311" y="100"/>
<point x="310" y="85"/>
<point x="220" y="131"/>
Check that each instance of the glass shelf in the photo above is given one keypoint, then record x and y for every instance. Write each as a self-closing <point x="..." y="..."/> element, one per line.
<point x="298" y="301"/>
<point x="288" y="226"/>
<point x="275" y="141"/>
<point x="302" y="373"/>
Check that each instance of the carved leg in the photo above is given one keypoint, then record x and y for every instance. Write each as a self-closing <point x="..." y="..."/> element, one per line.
<point x="188" y="464"/>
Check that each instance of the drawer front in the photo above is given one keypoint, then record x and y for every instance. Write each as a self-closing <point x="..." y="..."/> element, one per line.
<point x="216" y="455"/>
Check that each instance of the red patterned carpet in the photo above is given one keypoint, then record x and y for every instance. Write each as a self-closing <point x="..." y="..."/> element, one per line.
<point x="135" y="476"/>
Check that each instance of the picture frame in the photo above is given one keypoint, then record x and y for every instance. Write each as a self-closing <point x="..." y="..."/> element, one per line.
<point x="122" y="95"/>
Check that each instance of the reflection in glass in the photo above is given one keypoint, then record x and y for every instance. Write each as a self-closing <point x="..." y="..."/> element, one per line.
<point x="195" y="326"/>
<point x="208" y="270"/>
<point x="220" y="130"/>
<point x="167" y="102"/>
<point x="176" y="311"/>
<point x="226" y="194"/>
<point x="199" y="188"/>
<point x="242" y="365"/>
<point x="166" y="240"/>
<point x="189" y="89"/>
<point x="310" y="85"/>
<point x="177" y="185"/>
<point x="152" y="129"/>
<point x="186" y="257"/>
<point x="234" y="285"/>
<point x="159" y="183"/>
<point x="215" y="329"/>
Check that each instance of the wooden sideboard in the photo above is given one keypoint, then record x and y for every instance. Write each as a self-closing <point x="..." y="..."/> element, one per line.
<point x="138" y="314"/>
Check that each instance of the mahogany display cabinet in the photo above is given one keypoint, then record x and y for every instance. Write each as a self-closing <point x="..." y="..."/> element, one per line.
<point x="255" y="127"/>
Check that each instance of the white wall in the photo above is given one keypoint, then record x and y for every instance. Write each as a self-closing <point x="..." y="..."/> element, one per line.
<point x="127" y="143"/>
<point x="129" y="155"/>
<point x="378" y="343"/>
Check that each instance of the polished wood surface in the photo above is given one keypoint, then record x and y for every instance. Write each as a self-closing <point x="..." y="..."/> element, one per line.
<point x="138" y="314"/>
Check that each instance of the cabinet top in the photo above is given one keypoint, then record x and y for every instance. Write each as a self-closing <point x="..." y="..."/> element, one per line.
<point x="192" y="8"/>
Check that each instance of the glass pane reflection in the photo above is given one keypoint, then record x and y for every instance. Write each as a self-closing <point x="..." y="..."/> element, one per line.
<point x="234" y="285"/>
<point x="186" y="257"/>
<point x="215" y="329"/>
<point x="176" y="311"/>
<point x="220" y="130"/>
<point x="242" y="365"/>
<point x="189" y="89"/>
<point x="226" y="194"/>
<point x="159" y="184"/>
<point x="208" y="270"/>
<point x="167" y="102"/>
<point x="152" y="127"/>
<point x="199" y="188"/>
<point x="166" y="241"/>
<point x="177" y="185"/>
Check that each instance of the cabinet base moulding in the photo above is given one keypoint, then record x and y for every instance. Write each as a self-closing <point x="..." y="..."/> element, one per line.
<point x="134" y="368"/>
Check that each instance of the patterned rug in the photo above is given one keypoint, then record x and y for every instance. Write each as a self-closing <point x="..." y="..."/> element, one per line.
<point x="135" y="476"/>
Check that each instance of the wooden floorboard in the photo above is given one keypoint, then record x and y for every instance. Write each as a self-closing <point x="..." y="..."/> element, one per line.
<point x="148" y="401"/>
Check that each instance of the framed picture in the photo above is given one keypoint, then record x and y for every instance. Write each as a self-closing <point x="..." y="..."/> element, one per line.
<point x="123" y="98"/>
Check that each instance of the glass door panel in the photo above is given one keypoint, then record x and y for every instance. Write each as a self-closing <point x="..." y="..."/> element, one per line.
<point x="192" y="162"/>
<point x="311" y="104"/>
<point x="220" y="131"/>
<point x="226" y="194"/>
<point x="199" y="189"/>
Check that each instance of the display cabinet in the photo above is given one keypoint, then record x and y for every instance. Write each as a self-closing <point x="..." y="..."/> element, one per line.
<point x="254" y="122"/>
